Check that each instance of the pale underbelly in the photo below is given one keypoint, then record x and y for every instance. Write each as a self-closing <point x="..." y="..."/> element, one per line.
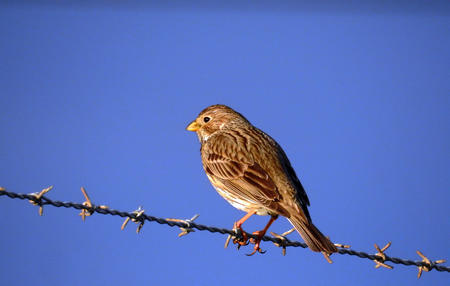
<point x="242" y="204"/>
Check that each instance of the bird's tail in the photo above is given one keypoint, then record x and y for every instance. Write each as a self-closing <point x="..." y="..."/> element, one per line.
<point x="315" y="240"/>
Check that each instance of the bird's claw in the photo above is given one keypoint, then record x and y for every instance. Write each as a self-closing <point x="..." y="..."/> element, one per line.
<point x="256" y="249"/>
<point x="257" y="242"/>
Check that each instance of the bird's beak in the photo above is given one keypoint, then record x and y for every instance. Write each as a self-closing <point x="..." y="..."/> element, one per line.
<point x="193" y="126"/>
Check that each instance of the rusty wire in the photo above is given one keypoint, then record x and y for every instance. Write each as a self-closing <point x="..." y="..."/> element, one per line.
<point x="40" y="200"/>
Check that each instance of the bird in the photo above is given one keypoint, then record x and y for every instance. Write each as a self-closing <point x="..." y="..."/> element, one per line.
<point x="250" y="170"/>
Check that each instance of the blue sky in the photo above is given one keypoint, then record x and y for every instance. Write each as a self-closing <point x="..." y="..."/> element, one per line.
<point x="99" y="96"/>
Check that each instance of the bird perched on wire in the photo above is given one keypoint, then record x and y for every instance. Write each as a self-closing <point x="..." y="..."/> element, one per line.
<point x="251" y="171"/>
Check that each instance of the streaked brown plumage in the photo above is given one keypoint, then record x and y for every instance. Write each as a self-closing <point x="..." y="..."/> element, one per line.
<point x="252" y="172"/>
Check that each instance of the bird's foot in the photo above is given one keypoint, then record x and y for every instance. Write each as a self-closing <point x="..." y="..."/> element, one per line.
<point x="257" y="242"/>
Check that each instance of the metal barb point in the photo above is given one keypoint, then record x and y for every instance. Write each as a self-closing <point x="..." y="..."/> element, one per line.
<point x="342" y="245"/>
<point x="84" y="213"/>
<point x="38" y="196"/>
<point x="327" y="257"/>
<point x="124" y="224"/>
<point x="229" y="237"/>
<point x="138" y="229"/>
<point x="382" y="255"/>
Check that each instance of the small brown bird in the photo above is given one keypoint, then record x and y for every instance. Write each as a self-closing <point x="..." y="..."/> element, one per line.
<point x="251" y="171"/>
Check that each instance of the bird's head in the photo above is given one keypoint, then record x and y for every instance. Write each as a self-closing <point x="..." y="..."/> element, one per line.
<point x="215" y="118"/>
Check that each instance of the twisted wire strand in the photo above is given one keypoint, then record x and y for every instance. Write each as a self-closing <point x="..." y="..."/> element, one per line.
<point x="107" y="211"/>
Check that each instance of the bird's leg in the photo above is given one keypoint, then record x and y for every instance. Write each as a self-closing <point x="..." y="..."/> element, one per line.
<point x="260" y="234"/>
<point x="244" y="240"/>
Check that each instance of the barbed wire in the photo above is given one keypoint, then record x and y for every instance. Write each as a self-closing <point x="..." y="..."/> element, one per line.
<point x="138" y="216"/>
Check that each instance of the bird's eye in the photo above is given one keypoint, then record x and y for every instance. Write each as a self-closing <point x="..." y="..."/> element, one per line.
<point x="206" y="119"/>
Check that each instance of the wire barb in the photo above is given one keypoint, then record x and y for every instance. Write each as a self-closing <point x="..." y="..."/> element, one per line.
<point x="382" y="256"/>
<point x="428" y="264"/>
<point x="90" y="208"/>
<point x="424" y="264"/>
<point x="138" y="215"/>
<point x="187" y="229"/>
<point x="37" y="199"/>
<point x="283" y="239"/>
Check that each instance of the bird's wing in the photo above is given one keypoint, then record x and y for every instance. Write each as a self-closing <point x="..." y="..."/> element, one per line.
<point x="301" y="195"/>
<point x="235" y="168"/>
